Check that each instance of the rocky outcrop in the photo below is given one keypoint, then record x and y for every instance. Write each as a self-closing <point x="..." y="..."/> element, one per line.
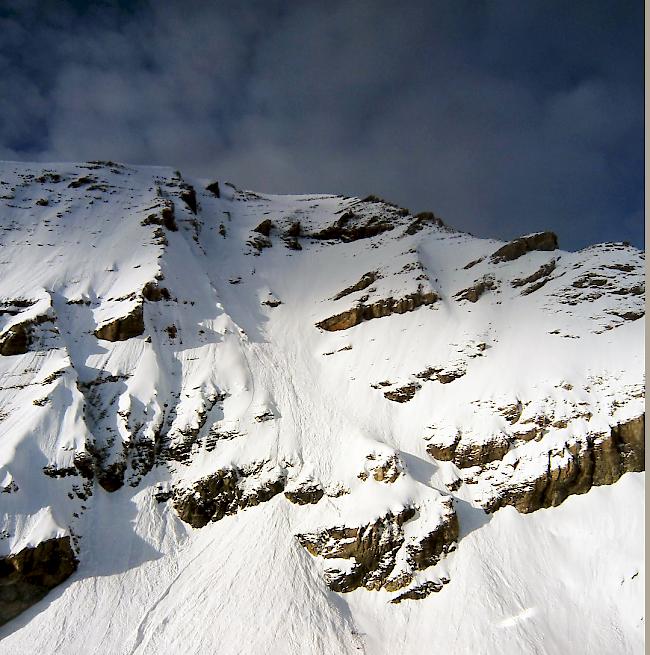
<point x="166" y="218"/>
<point x="388" y="469"/>
<point x="442" y="374"/>
<point x="111" y="476"/>
<point x="226" y="492"/>
<point x="542" y="272"/>
<point x="444" y="451"/>
<point x="366" y="280"/>
<point x="188" y="196"/>
<point x="522" y="245"/>
<point x="291" y="236"/>
<point x="418" y="592"/>
<point x="470" y="453"/>
<point x="20" y="336"/>
<point x="213" y="188"/>
<point x="124" y="327"/>
<point x="380" y="555"/>
<point x="27" y="576"/>
<point x="15" y="341"/>
<point x="596" y="461"/>
<point x="308" y="493"/>
<point x="479" y="287"/>
<point x="378" y="309"/>
<point x="264" y="227"/>
<point x="155" y="293"/>
<point x="421" y="221"/>
<point x="351" y="227"/>
<point x="373" y="547"/>
<point x="81" y="181"/>
<point x="403" y="394"/>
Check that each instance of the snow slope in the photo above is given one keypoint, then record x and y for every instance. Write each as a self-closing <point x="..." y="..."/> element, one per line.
<point x="262" y="420"/>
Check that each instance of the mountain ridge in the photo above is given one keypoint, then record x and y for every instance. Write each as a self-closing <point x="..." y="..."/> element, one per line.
<point x="373" y="385"/>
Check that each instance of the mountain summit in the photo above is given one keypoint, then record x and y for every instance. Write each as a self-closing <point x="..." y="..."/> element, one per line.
<point x="238" y="422"/>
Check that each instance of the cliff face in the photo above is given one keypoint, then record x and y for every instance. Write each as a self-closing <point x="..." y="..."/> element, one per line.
<point x="352" y="416"/>
<point x="27" y="576"/>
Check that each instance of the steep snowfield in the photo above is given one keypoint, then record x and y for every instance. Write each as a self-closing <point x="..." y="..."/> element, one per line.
<point x="260" y="419"/>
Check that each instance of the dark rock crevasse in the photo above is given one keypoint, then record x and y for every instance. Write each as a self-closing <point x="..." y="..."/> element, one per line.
<point x="27" y="576"/>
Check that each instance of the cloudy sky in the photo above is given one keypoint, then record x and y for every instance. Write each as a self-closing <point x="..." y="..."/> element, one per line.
<point x="502" y="116"/>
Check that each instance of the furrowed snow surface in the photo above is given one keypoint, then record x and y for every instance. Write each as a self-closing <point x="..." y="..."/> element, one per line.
<point x="262" y="420"/>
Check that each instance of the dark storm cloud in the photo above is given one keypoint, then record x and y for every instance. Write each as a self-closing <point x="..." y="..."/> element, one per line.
<point x="504" y="117"/>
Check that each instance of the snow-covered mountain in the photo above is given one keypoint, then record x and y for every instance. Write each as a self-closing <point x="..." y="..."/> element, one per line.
<point x="244" y="423"/>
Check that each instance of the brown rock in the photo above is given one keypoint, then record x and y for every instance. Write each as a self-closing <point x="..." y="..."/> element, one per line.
<point x="166" y="218"/>
<point x="188" y="196"/>
<point x="15" y="341"/>
<point x="264" y="227"/>
<point x="366" y="280"/>
<point x="403" y="394"/>
<point x="522" y="245"/>
<point x="123" y="328"/>
<point x="154" y="293"/>
<point x="111" y="477"/>
<point x="421" y="221"/>
<point x="479" y="287"/>
<point x="20" y="336"/>
<point x="221" y="494"/>
<point x="597" y="462"/>
<point x="375" y="546"/>
<point x="348" y="229"/>
<point x="541" y="272"/>
<point x="420" y="591"/>
<point x="372" y="546"/>
<point x="306" y="494"/>
<point x="443" y="452"/>
<point x="28" y="575"/>
<point x="378" y="309"/>
<point x="476" y="453"/>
